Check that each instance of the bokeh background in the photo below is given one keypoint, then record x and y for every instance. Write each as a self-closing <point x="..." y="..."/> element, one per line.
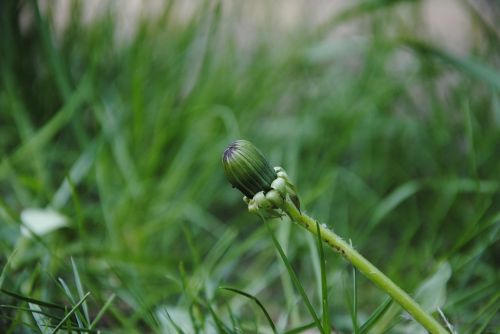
<point x="114" y="116"/>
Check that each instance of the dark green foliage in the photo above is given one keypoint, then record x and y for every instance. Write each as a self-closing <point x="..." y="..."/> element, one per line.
<point x="392" y="140"/>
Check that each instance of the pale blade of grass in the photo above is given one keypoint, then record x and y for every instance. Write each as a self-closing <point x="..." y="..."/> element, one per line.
<point x="66" y="289"/>
<point x="41" y="320"/>
<point x="177" y="328"/>
<point x="68" y="293"/>
<point x="450" y="327"/>
<point x="79" y="288"/>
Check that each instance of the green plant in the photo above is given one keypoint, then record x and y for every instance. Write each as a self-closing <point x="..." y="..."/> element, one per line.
<point x="247" y="170"/>
<point x="122" y="136"/>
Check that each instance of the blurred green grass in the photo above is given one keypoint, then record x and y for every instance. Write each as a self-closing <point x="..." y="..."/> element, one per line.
<point x="393" y="141"/>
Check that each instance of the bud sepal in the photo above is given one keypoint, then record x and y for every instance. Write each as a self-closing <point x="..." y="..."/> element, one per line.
<point x="269" y="204"/>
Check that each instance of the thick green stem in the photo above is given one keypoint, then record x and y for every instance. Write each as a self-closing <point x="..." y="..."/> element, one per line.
<point x="368" y="269"/>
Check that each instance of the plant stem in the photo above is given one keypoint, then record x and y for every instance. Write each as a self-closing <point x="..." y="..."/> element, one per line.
<point x="368" y="269"/>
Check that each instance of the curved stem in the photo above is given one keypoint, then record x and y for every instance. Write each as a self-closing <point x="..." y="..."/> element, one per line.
<point x="368" y="269"/>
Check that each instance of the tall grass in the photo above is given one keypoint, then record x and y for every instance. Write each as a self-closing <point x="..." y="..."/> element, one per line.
<point x="391" y="138"/>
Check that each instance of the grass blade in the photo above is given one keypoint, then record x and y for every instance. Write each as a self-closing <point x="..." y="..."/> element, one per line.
<point x="485" y="73"/>
<point x="177" y="328"/>
<point x="31" y="300"/>
<point x="71" y="298"/>
<point x="50" y="128"/>
<point x="350" y="299"/>
<point x="234" y="321"/>
<point x="300" y="329"/>
<point x="354" y="312"/>
<point x="375" y="316"/>
<point x="53" y="56"/>
<point x="102" y="310"/>
<point x="295" y="279"/>
<point x="324" y="286"/>
<point x="66" y="289"/>
<point x="257" y="301"/>
<point x="70" y="313"/>
<point x="487" y="320"/>
<point x="28" y="309"/>
<point x="485" y="314"/>
<point x="450" y="327"/>
<point x="79" y="288"/>
<point x="41" y="320"/>
<point x="221" y="327"/>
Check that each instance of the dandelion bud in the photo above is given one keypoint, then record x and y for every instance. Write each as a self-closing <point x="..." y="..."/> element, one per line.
<point x="247" y="169"/>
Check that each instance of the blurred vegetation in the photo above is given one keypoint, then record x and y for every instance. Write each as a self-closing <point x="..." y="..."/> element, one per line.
<point x="393" y="141"/>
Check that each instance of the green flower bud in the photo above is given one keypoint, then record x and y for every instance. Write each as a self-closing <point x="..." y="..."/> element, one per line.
<point x="247" y="169"/>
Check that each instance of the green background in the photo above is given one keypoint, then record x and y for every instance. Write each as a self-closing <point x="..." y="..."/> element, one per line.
<point x="393" y="140"/>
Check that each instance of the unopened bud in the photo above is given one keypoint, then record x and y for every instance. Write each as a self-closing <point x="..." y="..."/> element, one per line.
<point x="247" y="169"/>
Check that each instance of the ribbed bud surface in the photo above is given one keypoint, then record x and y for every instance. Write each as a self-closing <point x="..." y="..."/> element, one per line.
<point x="247" y="169"/>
